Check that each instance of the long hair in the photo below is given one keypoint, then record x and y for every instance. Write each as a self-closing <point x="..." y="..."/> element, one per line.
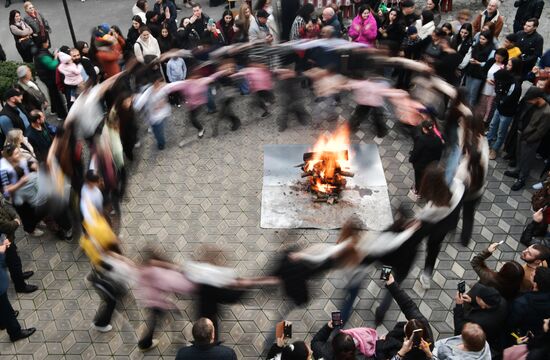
<point x="509" y="277"/>
<point x="433" y="187"/>
<point x="305" y="11"/>
<point x="12" y="16"/>
<point x="244" y="19"/>
<point x="222" y="20"/>
<point x="343" y="347"/>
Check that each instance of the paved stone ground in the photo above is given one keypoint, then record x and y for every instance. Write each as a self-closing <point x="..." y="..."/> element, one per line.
<point x="208" y="192"/>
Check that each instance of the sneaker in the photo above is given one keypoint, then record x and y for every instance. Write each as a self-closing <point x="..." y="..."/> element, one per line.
<point x="266" y="113"/>
<point x="35" y="233"/>
<point x="492" y="154"/>
<point x="538" y="186"/>
<point x="150" y="130"/>
<point x="181" y="143"/>
<point x="137" y="145"/>
<point x="69" y="234"/>
<point x="154" y="344"/>
<point x="103" y="329"/>
<point x="24" y="333"/>
<point x="178" y="106"/>
<point x="425" y="280"/>
<point x="201" y="133"/>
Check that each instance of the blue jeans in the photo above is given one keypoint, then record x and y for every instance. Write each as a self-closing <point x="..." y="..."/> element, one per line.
<point x="158" y="131"/>
<point x="498" y="129"/>
<point x="472" y="90"/>
<point x="451" y="165"/>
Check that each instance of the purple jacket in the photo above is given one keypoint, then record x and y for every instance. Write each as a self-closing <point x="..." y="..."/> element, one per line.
<point x="364" y="31"/>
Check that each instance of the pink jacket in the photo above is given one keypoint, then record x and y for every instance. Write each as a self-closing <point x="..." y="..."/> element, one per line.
<point x="195" y="91"/>
<point x="156" y="284"/>
<point x="258" y="78"/>
<point x="364" y="31"/>
<point x="364" y="338"/>
<point x="71" y="71"/>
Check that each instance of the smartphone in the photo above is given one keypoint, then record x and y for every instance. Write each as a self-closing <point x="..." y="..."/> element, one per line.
<point x="336" y="319"/>
<point x="287" y="330"/>
<point x="461" y="287"/>
<point x="386" y="271"/>
<point x="500" y="242"/>
<point x="416" y="337"/>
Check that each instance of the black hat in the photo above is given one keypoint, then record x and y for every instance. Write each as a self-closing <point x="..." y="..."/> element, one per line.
<point x="489" y="295"/>
<point x="295" y="351"/>
<point x="407" y="3"/>
<point x="11" y="92"/>
<point x="513" y="38"/>
<point x="533" y="92"/>
<point x="262" y="14"/>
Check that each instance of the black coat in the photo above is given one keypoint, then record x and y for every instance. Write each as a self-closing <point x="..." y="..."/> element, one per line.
<point x="490" y="320"/>
<point x="214" y="351"/>
<point x="481" y="54"/>
<point x="427" y="148"/>
<point x="528" y="9"/>
<point x="531" y="48"/>
<point x="507" y="98"/>
<point x="528" y="311"/>
<point x="388" y="347"/>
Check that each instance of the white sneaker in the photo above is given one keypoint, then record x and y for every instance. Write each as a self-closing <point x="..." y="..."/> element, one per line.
<point x="150" y="130"/>
<point x="537" y="186"/>
<point x="425" y="280"/>
<point x="181" y="143"/>
<point x="35" y="233"/>
<point x="201" y="133"/>
<point x="154" y="344"/>
<point x="103" y="329"/>
<point x="137" y="145"/>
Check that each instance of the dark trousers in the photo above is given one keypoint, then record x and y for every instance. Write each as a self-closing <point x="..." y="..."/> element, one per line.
<point x="226" y="112"/>
<point x="527" y="158"/>
<point x="468" y="212"/>
<point x="147" y="338"/>
<point x="56" y="102"/>
<point x="13" y="262"/>
<point x="437" y="233"/>
<point x="292" y="107"/>
<point x="194" y="117"/>
<point x="261" y="98"/>
<point x="418" y="173"/>
<point x="361" y="112"/>
<point x="108" y="300"/>
<point x="8" y="320"/>
<point x="28" y="216"/>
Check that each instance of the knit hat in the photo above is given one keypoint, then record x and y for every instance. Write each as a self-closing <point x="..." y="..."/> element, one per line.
<point x="489" y="295"/>
<point x="296" y="351"/>
<point x="533" y="92"/>
<point x="262" y="14"/>
<point x="11" y="92"/>
<point x="102" y="30"/>
<point x="411" y="30"/>
<point x="22" y="71"/>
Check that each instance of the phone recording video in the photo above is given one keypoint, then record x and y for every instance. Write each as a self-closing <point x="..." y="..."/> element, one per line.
<point x="386" y="271"/>
<point x="336" y="319"/>
<point x="416" y="337"/>
<point x="462" y="287"/>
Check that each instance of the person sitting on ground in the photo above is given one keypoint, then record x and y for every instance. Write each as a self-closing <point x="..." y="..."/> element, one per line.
<point x="487" y="308"/>
<point x="507" y="280"/>
<point x="204" y="346"/>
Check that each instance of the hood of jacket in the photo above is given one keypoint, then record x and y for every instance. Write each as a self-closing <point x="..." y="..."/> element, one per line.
<point x="63" y="58"/>
<point x="447" y="349"/>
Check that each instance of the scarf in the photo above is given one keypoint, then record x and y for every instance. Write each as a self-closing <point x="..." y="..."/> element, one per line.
<point x="41" y="27"/>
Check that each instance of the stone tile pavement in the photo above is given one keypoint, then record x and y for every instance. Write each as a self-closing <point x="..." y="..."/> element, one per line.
<point x="208" y="192"/>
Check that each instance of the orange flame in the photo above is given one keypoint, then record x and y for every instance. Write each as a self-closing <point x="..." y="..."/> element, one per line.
<point x="329" y="155"/>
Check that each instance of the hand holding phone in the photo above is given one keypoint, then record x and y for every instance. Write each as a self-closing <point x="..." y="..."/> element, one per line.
<point x="461" y="287"/>
<point x="386" y="271"/>
<point x="283" y="330"/>
<point x="416" y="337"/>
<point x="336" y="319"/>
